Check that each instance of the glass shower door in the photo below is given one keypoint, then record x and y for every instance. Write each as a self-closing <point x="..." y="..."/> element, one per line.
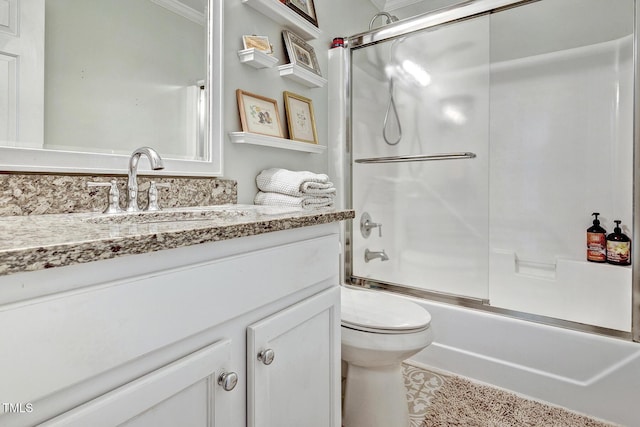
<point x="425" y="94"/>
<point x="530" y="111"/>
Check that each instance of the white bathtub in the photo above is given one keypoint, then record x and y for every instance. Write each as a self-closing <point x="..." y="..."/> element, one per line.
<point x="583" y="372"/>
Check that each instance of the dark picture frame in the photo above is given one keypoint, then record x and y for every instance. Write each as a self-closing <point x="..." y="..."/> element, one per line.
<point x="304" y="8"/>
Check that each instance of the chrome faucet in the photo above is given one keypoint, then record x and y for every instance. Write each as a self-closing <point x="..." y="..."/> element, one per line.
<point x="369" y="255"/>
<point x="132" y="184"/>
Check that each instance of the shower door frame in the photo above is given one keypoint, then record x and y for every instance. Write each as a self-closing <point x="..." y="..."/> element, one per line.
<point x="456" y="13"/>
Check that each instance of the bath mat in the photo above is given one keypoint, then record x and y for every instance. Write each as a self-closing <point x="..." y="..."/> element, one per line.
<point x="459" y="402"/>
<point x="421" y="387"/>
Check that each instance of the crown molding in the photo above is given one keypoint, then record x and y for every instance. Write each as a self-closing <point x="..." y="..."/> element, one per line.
<point x="183" y="10"/>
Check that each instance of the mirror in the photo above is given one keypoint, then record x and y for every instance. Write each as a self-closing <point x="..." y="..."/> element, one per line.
<point x="98" y="78"/>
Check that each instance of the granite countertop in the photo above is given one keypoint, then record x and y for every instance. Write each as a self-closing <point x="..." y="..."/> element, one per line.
<point x="36" y="242"/>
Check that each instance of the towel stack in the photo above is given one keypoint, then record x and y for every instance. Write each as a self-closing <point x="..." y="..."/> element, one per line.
<point x="282" y="187"/>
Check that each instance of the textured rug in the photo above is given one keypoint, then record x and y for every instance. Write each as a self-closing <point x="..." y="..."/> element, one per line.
<point x="442" y="400"/>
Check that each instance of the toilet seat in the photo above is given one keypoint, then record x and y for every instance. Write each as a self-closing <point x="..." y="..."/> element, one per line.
<point x="376" y="312"/>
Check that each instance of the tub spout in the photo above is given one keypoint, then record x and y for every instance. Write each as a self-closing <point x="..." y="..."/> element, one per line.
<point x="369" y="255"/>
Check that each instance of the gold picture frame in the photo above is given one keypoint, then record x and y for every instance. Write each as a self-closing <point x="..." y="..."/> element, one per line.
<point x="259" y="114"/>
<point x="300" y="118"/>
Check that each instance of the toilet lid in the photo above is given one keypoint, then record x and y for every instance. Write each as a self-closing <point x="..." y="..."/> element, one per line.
<point x="376" y="311"/>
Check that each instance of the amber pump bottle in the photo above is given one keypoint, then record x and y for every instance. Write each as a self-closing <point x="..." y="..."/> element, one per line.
<point x="596" y="241"/>
<point x="618" y="247"/>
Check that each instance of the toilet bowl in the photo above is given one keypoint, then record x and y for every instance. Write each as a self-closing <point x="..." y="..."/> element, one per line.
<point x="379" y="331"/>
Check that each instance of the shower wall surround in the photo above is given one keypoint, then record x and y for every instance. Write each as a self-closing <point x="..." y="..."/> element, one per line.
<point x="37" y="194"/>
<point x="548" y="111"/>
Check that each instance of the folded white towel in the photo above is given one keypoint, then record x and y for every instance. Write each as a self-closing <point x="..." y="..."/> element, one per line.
<point x="294" y="183"/>
<point x="307" y="202"/>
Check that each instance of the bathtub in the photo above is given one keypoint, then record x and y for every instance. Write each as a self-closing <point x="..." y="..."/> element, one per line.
<point x="587" y="373"/>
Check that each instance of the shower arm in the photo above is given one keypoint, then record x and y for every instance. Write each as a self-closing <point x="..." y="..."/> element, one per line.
<point x="390" y="18"/>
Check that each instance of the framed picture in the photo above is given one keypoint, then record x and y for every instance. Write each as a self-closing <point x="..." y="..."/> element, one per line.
<point x="259" y="114"/>
<point x="300" y="52"/>
<point x="304" y="8"/>
<point x="260" y="43"/>
<point x="300" y="118"/>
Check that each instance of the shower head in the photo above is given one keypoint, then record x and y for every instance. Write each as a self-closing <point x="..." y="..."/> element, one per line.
<point x="390" y="18"/>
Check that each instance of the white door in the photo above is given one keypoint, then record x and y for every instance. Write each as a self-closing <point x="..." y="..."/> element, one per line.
<point x="293" y="365"/>
<point x="22" y="72"/>
<point x="184" y="393"/>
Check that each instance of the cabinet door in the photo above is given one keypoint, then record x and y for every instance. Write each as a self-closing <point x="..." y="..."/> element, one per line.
<point x="300" y="386"/>
<point x="184" y="393"/>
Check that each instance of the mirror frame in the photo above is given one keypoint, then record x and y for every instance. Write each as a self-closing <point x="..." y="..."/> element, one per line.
<point x="16" y="159"/>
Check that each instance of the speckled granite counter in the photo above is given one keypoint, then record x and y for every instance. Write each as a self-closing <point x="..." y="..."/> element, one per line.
<point x="40" y="194"/>
<point x="36" y="242"/>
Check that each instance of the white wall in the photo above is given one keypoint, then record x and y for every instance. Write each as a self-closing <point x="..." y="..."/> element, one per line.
<point x="243" y="162"/>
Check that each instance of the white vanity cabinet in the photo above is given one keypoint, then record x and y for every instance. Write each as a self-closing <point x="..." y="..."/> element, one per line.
<point x="143" y="340"/>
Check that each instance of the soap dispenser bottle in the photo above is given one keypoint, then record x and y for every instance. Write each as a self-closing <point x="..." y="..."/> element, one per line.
<point x="596" y="241"/>
<point x="618" y="247"/>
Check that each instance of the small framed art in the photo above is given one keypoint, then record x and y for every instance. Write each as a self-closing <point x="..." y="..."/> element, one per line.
<point x="259" y="114"/>
<point x="260" y="43"/>
<point x="304" y="8"/>
<point x="300" y="118"/>
<point x="300" y="52"/>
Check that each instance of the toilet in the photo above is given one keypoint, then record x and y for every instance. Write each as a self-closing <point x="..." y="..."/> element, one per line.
<point x="379" y="331"/>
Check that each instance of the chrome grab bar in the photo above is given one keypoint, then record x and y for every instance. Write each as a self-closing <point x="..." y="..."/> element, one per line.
<point x="417" y="158"/>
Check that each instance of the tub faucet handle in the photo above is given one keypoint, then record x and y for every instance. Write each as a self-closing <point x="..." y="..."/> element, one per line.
<point x="376" y="224"/>
<point x="366" y="225"/>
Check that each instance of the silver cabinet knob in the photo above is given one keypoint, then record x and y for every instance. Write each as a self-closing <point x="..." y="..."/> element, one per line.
<point x="228" y="380"/>
<point x="266" y="356"/>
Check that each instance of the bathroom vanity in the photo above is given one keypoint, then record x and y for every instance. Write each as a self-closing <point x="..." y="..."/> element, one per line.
<point x="234" y="322"/>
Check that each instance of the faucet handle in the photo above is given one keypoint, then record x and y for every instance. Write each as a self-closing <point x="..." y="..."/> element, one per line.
<point x="379" y="225"/>
<point x="154" y="196"/>
<point x="366" y="225"/>
<point x="114" y="195"/>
